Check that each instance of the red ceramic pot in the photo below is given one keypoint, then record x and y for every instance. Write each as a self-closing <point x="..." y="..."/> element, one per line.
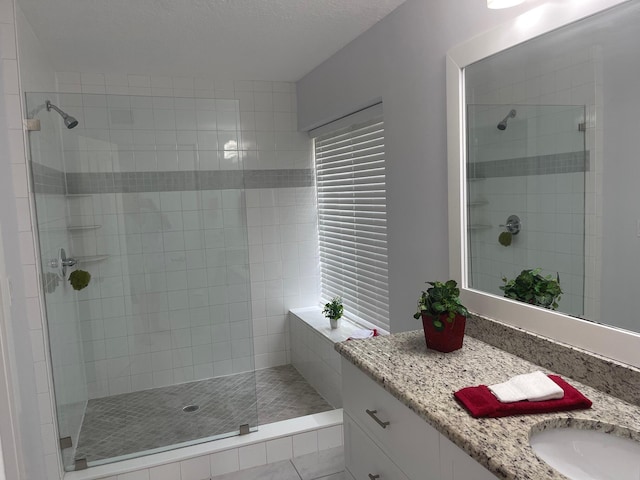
<point x="448" y="339"/>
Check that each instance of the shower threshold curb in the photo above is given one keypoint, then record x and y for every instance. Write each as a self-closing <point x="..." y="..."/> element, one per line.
<point x="271" y="431"/>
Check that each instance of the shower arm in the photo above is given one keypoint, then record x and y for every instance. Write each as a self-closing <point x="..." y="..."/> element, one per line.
<point x="50" y="106"/>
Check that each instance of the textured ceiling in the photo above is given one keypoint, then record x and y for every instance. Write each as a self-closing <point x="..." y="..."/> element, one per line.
<point x="252" y="39"/>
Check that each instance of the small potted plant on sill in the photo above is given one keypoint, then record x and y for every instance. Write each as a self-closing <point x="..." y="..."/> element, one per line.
<point x="443" y="316"/>
<point x="333" y="310"/>
<point x="533" y="288"/>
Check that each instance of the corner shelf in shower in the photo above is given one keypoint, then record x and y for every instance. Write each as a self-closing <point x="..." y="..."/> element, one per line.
<point x="92" y="259"/>
<point x="478" y="203"/>
<point x="479" y="226"/>
<point x="82" y="228"/>
<point x="78" y="195"/>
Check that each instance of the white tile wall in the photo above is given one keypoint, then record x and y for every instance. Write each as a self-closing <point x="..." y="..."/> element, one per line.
<point x="314" y="356"/>
<point x="225" y="462"/>
<point x="37" y="74"/>
<point x="305" y="443"/>
<point x="252" y="455"/>
<point x="267" y="130"/>
<point x="550" y="235"/>
<point x="153" y="315"/>
<point x="550" y="238"/>
<point x="281" y="449"/>
<point x="234" y="459"/>
<point x="282" y="252"/>
<point x="313" y="353"/>
<point x="198" y="468"/>
<point x="61" y="302"/>
<point x="170" y="471"/>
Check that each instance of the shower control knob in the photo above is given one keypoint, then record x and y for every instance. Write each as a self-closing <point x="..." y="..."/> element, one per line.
<point x="513" y="225"/>
<point x="69" y="262"/>
<point x="61" y="263"/>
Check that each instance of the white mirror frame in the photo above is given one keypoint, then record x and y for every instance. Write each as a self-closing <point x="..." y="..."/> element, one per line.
<point x="610" y="342"/>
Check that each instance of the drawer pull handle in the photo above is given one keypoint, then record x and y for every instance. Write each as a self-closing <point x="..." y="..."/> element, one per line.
<point x="372" y="414"/>
<point x="373" y="477"/>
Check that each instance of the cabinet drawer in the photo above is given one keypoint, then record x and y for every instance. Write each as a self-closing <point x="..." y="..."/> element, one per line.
<point x="455" y="464"/>
<point x="363" y="459"/>
<point x="407" y="438"/>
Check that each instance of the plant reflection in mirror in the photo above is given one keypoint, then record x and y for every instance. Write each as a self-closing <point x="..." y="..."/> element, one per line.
<point x="533" y="288"/>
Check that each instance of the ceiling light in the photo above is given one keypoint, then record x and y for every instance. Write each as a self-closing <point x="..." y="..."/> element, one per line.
<point x="503" y="3"/>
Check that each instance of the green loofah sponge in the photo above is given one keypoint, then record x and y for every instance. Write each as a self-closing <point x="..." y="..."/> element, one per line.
<point x="79" y="279"/>
<point x="505" y="239"/>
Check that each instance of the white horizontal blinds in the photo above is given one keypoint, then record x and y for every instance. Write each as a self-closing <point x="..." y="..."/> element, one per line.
<point x="352" y="219"/>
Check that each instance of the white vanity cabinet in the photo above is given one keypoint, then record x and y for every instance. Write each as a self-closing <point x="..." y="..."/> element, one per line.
<point x="384" y="440"/>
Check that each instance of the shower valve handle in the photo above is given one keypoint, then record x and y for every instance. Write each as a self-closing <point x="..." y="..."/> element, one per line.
<point x="69" y="262"/>
<point x="513" y="225"/>
<point x="61" y="263"/>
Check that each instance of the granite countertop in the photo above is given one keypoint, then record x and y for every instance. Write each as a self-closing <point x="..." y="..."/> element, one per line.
<point x="424" y="380"/>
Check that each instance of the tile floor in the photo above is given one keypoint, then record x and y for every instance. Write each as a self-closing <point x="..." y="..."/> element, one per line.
<point x="324" y="465"/>
<point x="148" y="419"/>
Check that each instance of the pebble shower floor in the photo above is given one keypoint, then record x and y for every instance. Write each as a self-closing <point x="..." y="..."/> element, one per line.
<point x="139" y="421"/>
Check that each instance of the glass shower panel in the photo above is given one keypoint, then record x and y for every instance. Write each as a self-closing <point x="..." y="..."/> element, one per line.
<point x="151" y="204"/>
<point x="64" y="326"/>
<point x="528" y="163"/>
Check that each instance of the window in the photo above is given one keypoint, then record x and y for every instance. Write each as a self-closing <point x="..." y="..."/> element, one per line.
<point x="352" y="214"/>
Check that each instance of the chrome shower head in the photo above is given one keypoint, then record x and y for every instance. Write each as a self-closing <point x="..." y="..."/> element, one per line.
<point x="69" y="121"/>
<point x="503" y="124"/>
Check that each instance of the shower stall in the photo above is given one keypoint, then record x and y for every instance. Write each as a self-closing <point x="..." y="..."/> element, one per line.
<point x="144" y="197"/>
<point x="526" y="172"/>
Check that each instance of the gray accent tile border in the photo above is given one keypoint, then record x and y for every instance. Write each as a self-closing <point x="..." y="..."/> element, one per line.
<point x="48" y="180"/>
<point x="293" y="177"/>
<point x="527" y="166"/>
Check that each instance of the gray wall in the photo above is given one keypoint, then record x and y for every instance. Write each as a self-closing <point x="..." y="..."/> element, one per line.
<point x="621" y="171"/>
<point x="401" y="60"/>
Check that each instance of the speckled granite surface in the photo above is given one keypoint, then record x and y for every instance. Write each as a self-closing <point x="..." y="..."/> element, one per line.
<point x="615" y="378"/>
<point x="424" y="380"/>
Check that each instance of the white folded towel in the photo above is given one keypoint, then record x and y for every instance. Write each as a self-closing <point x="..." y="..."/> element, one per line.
<point x="534" y="387"/>
<point x="362" y="333"/>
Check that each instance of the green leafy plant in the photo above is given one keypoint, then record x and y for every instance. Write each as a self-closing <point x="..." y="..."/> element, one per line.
<point x="334" y="309"/>
<point x="441" y="298"/>
<point x="533" y="288"/>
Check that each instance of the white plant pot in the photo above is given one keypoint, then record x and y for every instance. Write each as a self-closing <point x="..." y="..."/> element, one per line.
<point x="334" y="322"/>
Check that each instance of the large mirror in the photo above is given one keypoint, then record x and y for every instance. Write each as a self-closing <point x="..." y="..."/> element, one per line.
<point x="544" y="166"/>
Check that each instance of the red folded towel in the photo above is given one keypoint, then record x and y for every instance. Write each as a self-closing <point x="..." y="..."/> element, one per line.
<point x="480" y="402"/>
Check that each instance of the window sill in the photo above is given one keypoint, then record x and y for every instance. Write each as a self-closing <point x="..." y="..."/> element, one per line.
<point x="313" y="317"/>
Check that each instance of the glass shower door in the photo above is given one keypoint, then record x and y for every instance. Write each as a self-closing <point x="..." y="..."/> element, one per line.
<point x="63" y="322"/>
<point x="146" y="195"/>
<point x="526" y="168"/>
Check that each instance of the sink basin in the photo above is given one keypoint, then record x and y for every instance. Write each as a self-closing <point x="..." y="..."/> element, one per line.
<point x="588" y="454"/>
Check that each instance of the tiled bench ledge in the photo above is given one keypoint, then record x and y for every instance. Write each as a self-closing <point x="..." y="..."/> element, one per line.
<point x="312" y="353"/>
